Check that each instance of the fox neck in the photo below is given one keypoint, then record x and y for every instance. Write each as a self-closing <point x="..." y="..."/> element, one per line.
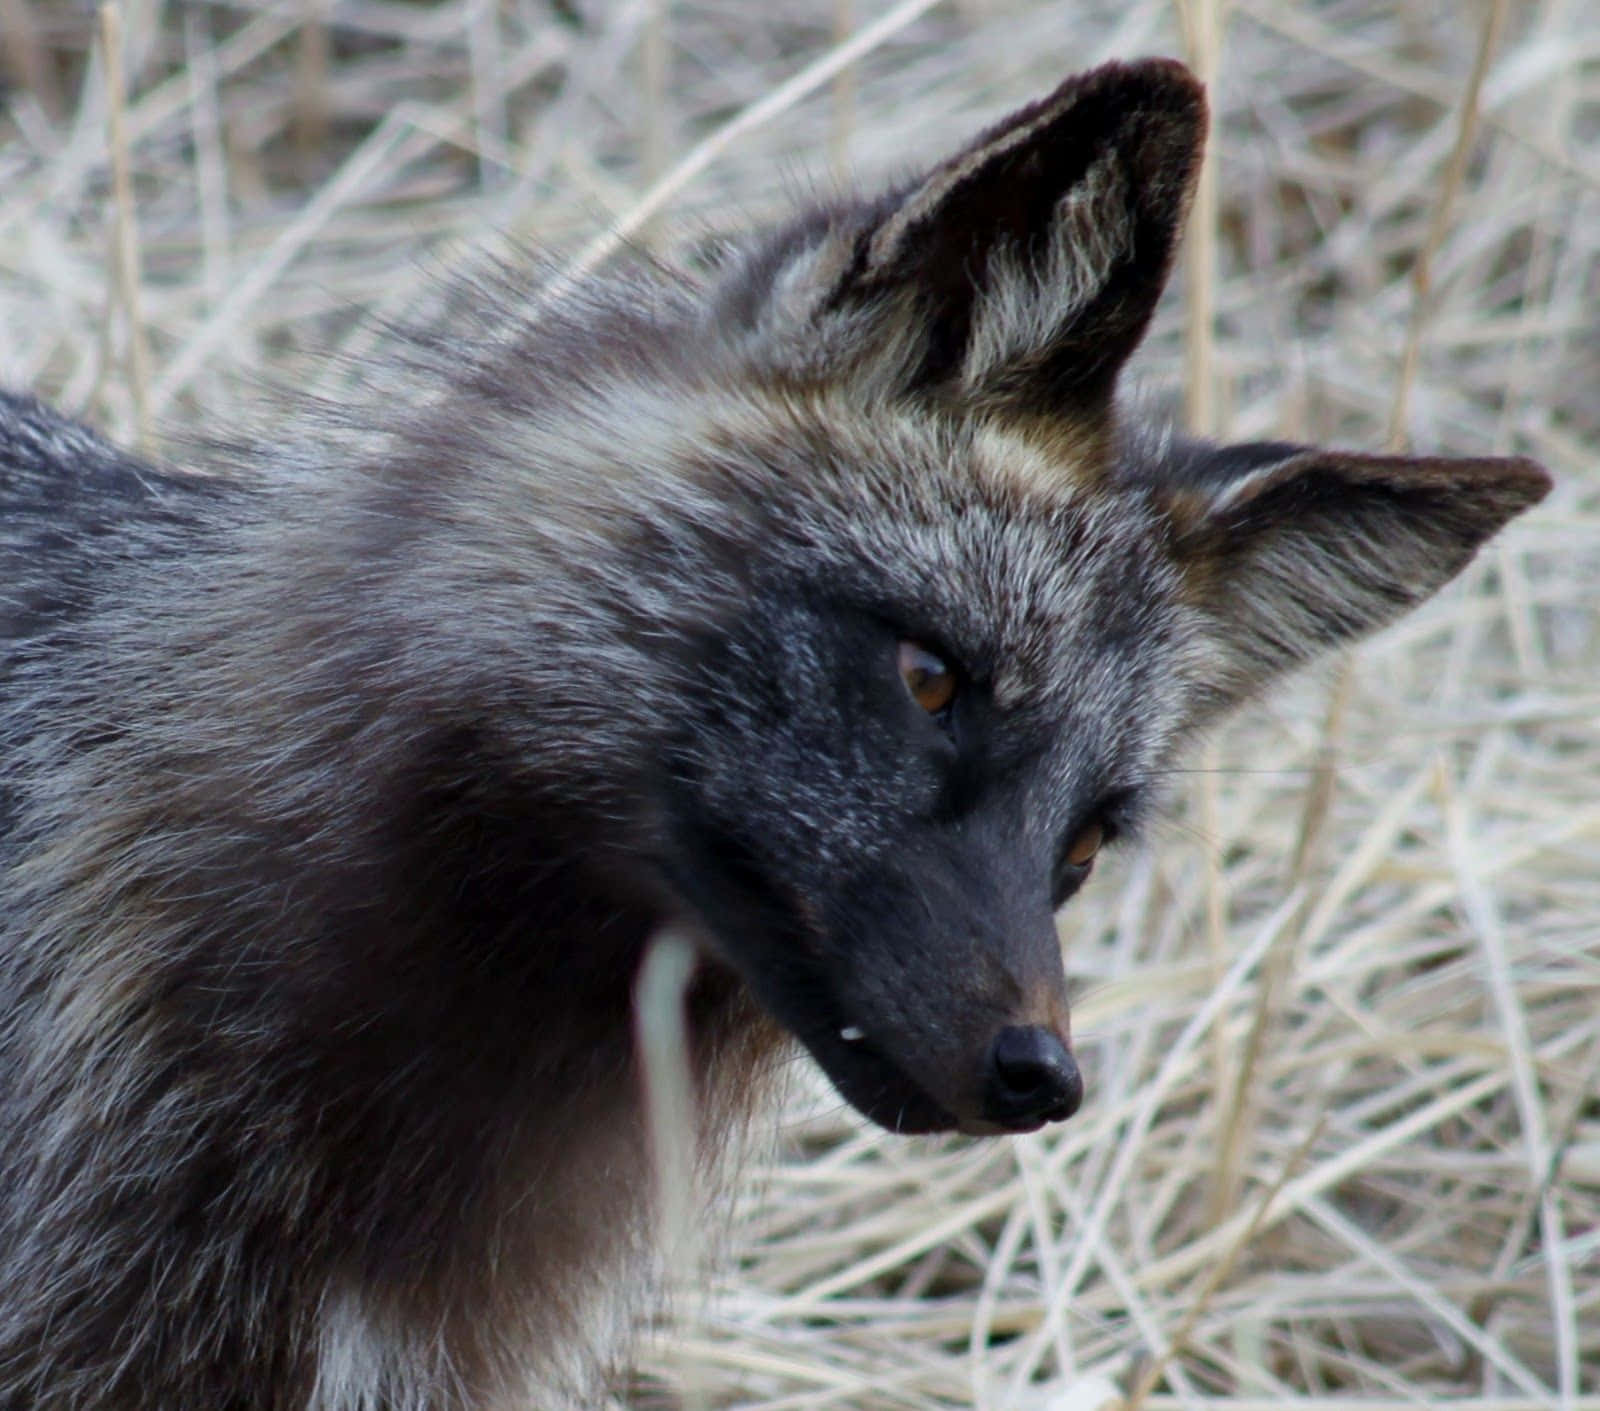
<point x="525" y="1121"/>
<point x="435" y="1023"/>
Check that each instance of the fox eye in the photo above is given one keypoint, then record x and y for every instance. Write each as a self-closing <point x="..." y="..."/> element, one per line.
<point x="928" y="677"/>
<point x="1080" y="852"/>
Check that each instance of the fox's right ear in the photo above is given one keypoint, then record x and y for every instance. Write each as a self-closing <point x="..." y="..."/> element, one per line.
<point x="1022" y="271"/>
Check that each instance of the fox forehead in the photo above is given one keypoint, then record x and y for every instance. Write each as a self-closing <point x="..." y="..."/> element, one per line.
<point x="1016" y="555"/>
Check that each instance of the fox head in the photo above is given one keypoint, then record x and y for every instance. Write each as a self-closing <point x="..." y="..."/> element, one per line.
<point x="983" y="612"/>
<point x="907" y="620"/>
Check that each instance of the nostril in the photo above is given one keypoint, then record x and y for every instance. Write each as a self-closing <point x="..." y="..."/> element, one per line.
<point x="1033" y="1077"/>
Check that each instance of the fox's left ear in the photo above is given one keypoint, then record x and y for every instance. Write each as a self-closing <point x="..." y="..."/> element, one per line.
<point x="1288" y="551"/>
<point x="1022" y="271"/>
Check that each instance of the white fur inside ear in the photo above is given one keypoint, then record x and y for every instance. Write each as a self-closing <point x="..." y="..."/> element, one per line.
<point x="1028" y="301"/>
<point x="1221" y="498"/>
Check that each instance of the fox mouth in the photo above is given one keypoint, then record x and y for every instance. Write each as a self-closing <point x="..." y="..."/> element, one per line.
<point x="875" y="1085"/>
<point x="881" y="1090"/>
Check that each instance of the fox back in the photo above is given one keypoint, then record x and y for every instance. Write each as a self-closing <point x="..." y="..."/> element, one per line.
<point x="821" y="606"/>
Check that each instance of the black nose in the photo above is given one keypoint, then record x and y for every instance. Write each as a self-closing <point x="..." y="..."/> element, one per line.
<point x="1033" y="1078"/>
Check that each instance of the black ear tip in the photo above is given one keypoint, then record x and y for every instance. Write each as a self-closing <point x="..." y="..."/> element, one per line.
<point x="1525" y="480"/>
<point x="1510" y="484"/>
<point x="1164" y="87"/>
<point x="1158" y="106"/>
<point x="1171" y="79"/>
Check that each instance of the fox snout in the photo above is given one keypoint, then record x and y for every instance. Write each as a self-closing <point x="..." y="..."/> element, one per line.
<point x="1012" y="1078"/>
<point x="941" y="1017"/>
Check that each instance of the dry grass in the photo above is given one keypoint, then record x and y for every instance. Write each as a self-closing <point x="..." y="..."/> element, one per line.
<point x="1342" y="1024"/>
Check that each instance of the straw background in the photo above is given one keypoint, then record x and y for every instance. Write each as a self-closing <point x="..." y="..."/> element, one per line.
<point x="1341" y="1020"/>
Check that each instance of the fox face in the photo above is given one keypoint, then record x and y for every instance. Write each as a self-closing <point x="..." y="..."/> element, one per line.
<point x="979" y="612"/>
<point x="941" y="757"/>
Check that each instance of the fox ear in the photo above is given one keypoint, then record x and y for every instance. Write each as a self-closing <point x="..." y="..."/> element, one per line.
<point x="1289" y="551"/>
<point x="1025" y="268"/>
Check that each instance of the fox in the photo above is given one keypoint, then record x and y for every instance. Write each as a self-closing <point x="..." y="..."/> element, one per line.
<point x="821" y="602"/>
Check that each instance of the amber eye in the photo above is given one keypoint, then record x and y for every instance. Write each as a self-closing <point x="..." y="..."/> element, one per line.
<point x="929" y="678"/>
<point x="1085" y="845"/>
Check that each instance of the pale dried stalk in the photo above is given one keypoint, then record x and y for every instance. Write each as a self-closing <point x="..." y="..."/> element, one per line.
<point x="666" y="1076"/>
<point x="1199" y="1301"/>
<point x="1422" y="269"/>
<point x="126" y="238"/>
<point x="311" y="79"/>
<point x="655" y="57"/>
<point x="1202" y="23"/>
<point x="22" y="54"/>
<point x="843" y="120"/>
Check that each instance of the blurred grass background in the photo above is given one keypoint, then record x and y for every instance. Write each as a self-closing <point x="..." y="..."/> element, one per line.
<point x="1341" y="1022"/>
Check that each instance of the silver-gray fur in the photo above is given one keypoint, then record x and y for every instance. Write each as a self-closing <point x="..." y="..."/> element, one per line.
<point x="339" y="797"/>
